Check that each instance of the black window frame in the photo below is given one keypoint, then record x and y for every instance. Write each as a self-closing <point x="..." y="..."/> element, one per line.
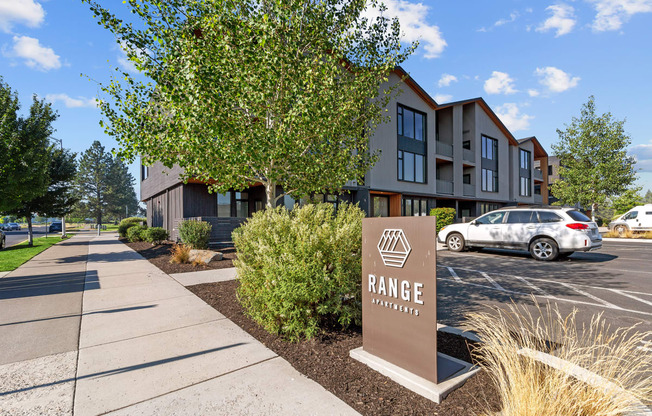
<point x="485" y="174"/>
<point x="422" y="202"/>
<point x="494" y="148"/>
<point x="411" y="147"/>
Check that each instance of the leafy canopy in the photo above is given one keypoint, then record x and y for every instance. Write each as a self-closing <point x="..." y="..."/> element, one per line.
<point x="594" y="164"/>
<point x="253" y="91"/>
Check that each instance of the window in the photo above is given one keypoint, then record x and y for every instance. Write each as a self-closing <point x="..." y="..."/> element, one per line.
<point x="537" y="189"/>
<point x="144" y="172"/>
<point x="525" y="187"/>
<point x="491" y="218"/>
<point x="489" y="148"/>
<point x="466" y="178"/>
<point x="288" y="202"/>
<point x="224" y="205"/>
<point x="631" y="215"/>
<point x="521" y="217"/>
<point x="578" y="216"/>
<point x="489" y="180"/>
<point x="549" y="169"/>
<point x="380" y="206"/>
<point x="547" y="216"/>
<point x="411" y="130"/>
<point x="415" y="207"/>
<point x="487" y="207"/>
<point x="525" y="159"/>
<point x="241" y="204"/>
<point x="466" y="144"/>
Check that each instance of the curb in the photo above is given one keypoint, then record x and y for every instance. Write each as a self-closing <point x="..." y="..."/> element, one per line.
<point x="628" y="240"/>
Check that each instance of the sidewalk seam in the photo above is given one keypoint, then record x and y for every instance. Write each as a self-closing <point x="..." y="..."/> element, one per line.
<point x="81" y="314"/>
<point x="138" y="303"/>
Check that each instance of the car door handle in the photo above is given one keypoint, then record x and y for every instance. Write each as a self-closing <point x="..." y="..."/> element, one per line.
<point x="531" y="227"/>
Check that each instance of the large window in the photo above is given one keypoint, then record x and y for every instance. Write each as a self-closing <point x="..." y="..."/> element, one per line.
<point x="525" y="159"/>
<point x="489" y="148"/>
<point x="233" y="204"/>
<point x="525" y="164"/>
<point x="489" y="180"/>
<point x="224" y="205"/>
<point x="380" y="207"/>
<point x="487" y="207"/>
<point x="411" y="131"/>
<point x="241" y="204"/>
<point x="525" y="186"/>
<point x="144" y="172"/>
<point x="415" y="207"/>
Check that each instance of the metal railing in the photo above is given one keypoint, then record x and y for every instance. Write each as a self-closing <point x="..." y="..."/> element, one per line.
<point x="468" y="190"/>
<point x="538" y="199"/>
<point x="444" y="149"/>
<point x="468" y="155"/>
<point x="537" y="174"/>
<point x="444" y="187"/>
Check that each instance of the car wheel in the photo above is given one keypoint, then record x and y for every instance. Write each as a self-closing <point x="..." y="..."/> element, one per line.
<point x="621" y="229"/>
<point x="455" y="242"/>
<point x="2" y="243"/>
<point x="544" y="249"/>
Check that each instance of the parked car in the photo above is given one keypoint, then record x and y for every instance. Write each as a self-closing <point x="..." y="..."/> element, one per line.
<point x="55" y="226"/>
<point x="636" y="219"/>
<point x="14" y="226"/>
<point x="5" y="227"/>
<point x="547" y="233"/>
<point x="3" y="240"/>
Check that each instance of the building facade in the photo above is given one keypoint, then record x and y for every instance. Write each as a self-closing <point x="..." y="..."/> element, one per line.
<point x="457" y="155"/>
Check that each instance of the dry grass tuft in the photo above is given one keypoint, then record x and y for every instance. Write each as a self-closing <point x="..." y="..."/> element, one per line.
<point x="527" y="387"/>
<point x="629" y="234"/>
<point x="180" y="254"/>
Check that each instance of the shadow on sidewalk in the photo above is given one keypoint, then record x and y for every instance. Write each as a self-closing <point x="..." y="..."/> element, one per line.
<point x="48" y="284"/>
<point x="133" y="308"/>
<point x="125" y="369"/>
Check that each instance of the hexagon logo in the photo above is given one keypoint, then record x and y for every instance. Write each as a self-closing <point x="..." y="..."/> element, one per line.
<point x="394" y="248"/>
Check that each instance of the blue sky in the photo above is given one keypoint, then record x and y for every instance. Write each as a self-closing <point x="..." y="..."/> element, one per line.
<point x="535" y="63"/>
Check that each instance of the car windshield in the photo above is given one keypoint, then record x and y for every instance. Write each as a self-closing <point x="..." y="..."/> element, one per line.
<point x="578" y="216"/>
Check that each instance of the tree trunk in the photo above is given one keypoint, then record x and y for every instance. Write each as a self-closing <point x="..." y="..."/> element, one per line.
<point x="594" y="206"/>
<point x="30" y="236"/>
<point x="270" y="192"/>
<point x="99" y="220"/>
<point x="63" y="226"/>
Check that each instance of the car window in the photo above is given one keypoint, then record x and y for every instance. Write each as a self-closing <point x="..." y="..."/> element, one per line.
<point x="491" y="218"/>
<point x="648" y="213"/>
<point x="578" y="216"/>
<point x="547" y="216"/>
<point x="631" y="215"/>
<point x="520" y="217"/>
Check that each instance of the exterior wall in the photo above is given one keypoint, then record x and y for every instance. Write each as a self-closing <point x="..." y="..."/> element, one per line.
<point x="486" y="126"/>
<point x="383" y="176"/>
<point x="160" y="178"/>
<point x="197" y="202"/>
<point x="515" y="168"/>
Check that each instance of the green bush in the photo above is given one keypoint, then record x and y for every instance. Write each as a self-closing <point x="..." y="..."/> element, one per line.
<point x="128" y="223"/>
<point x="155" y="235"/>
<point x="445" y="216"/>
<point x="195" y="233"/>
<point x="300" y="270"/>
<point x="136" y="233"/>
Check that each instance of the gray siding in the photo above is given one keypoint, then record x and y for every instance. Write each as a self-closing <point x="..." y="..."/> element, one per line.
<point x="160" y="178"/>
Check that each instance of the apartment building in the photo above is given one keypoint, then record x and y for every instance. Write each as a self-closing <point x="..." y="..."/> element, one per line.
<point x="457" y="155"/>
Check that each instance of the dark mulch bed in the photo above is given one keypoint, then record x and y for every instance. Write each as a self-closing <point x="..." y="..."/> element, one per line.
<point x="326" y="360"/>
<point x="160" y="257"/>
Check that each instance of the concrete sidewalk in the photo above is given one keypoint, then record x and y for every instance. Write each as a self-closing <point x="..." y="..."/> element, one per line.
<point x="146" y="345"/>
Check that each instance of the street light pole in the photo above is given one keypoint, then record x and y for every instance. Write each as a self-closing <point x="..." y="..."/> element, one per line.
<point x="63" y="218"/>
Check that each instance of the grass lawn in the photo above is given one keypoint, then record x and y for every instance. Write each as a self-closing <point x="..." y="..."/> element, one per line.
<point x="14" y="256"/>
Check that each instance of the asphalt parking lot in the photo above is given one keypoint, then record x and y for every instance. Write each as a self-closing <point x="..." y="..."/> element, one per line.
<point x="615" y="281"/>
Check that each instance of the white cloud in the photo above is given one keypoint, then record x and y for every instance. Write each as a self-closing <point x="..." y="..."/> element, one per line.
<point x="512" y="17"/>
<point x="533" y="93"/>
<point x="643" y="155"/>
<point x="443" y="98"/>
<point x="72" y="102"/>
<point x="555" y="79"/>
<point x="499" y="83"/>
<point x="511" y="116"/>
<point x="446" y="80"/>
<point x="35" y="55"/>
<point x="562" y="20"/>
<point x="27" y="12"/>
<point x="412" y="17"/>
<point x="612" y="14"/>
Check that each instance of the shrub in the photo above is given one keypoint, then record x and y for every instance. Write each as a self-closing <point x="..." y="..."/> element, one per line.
<point x="300" y="270"/>
<point x="155" y="235"/>
<point x="180" y="254"/>
<point x="127" y="223"/>
<point x="136" y="233"/>
<point x="445" y="216"/>
<point x="195" y="233"/>
<point x="514" y="342"/>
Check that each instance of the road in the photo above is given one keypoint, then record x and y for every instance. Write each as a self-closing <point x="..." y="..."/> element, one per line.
<point x="615" y="281"/>
<point x="15" y="237"/>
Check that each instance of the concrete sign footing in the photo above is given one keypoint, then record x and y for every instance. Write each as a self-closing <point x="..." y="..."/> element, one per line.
<point x="451" y="374"/>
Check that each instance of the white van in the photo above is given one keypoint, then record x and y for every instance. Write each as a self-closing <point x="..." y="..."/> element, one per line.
<point x="636" y="219"/>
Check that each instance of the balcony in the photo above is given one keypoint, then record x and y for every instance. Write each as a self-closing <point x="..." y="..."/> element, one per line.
<point x="468" y="155"/>
<point x="351" y="184"/>
<point x="444" y="149"/>
<point x="537" y="174"/>
<point x="538" y="199"/>
<point x="444" y="187"/>
<point x="469" y="190"/>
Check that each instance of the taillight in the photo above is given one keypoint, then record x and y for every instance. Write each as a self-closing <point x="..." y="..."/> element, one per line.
<point x="577" y="226"/>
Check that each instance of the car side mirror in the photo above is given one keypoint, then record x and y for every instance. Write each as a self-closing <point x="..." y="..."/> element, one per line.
<point x="474" y="222"/>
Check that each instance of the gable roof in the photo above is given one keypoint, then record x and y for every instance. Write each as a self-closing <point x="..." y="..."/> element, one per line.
<point x="539" y="151"/>
<point x="415" y="87"/>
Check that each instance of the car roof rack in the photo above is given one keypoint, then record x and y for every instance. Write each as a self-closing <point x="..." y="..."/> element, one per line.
<point x="534" y="206"/>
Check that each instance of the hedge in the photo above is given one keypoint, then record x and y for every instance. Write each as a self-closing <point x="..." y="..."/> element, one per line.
<point x="445" y="216"/>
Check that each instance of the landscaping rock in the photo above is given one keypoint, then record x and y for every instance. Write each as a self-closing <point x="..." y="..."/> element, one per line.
<point x="204" y="256"/>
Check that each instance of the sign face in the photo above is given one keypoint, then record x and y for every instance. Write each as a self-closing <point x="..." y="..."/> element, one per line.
<point x="399" y="288"/>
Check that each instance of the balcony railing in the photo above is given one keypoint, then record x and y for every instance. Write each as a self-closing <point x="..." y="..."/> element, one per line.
<point x="468" y="155"/>
<point x="352" y="183"/>
<point x="538" y="175"/>
<point x="444" y="149"/>
<point x="538" y="199"/>
<point x="444" y="187"/>
<point x="468" y="190"/>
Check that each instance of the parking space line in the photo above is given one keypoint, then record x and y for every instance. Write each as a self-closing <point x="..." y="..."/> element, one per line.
<point x="455" y="276"/>
<point x="588" y="295"/>
<point x="522" y="279"/>
<point x="620" y="292"/>
<point x="492" y="281"/>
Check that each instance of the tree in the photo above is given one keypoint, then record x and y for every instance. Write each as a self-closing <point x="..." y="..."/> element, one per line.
<point x="648" y="197"/>
<point x="594" y="164"/>
<point x="626" y="201"/>
<point x="123" y="200"/>
<point x="93" y="182"/>
<point x="24" y="149"/>
<point x="255" y="91"/>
